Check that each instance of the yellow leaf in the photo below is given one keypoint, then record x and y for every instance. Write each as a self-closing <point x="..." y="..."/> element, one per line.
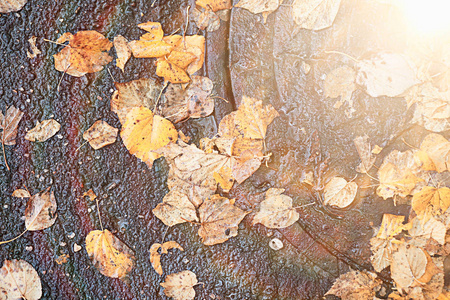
<point x="171" y="72"/>
<point x="173" y="40"/>
<point x="20" y="193"/>
<point x="194" y="44"/>
<point x="338" y="192"/>
<point x="43" y="131"/>
<point x="391" y="226"/>
<point x="179" y="286"/>
<point x="408" y="265"/>
<point x="219" y="220"/>
<point x="355" y="285"/>
<point x="437" y="148"/>
<point x="86" y="53"/>
<point x="155" y="257"/>
<point x="100" y="134"/>
<point x="154" y="29"/>
<point x="143" y="133"/>
<point x="181" y="59"/>
<point x="40" y="212"/>
<point x="431" y="201"/>
<point x="149" y="49"/>
<point x="122" y="50"/>
<point x="19" y="280"/>
<point x="108" y="254"/>
<point x="175" y="209"/>
<point x="214" y="5"/>
<point x="276" y="210"/>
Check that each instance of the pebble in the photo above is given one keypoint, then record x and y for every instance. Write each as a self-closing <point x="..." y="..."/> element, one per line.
<point x="276" y="244"/>
<point x="71" y="235"/>
<point x="76" y="247"/>
<point x="29" y="248"/>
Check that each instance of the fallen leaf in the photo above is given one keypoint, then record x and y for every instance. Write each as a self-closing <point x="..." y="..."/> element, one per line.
<point x="19" y="280"/>
<point x="181" y="59"/>
<point x="397" y="175"/>
<point x="179" y="286"/>
<point x="34" y="50"/>
<point x="219" y="220"/>
<point x="194" y="44"/>
<point x="43" y="131"/>
<point x="249" y="121"/>
<point x="87" y="52"/>
<point x="382" y="250"/>
<point x="338" y="192"/>
<point x="144" y="132"/>
<point x="40" y="212"/>
<point x="431" y="201"/>
<point x="365" y="154"/>
<point x="175" y="209"/>
<point x="276" y="210"/>
<point x="122" y="50"/>
<point x="171" y="72"/>
<point x="192" y="102"/>
<point x="155" y="256"/>
<point x="386" y="74"/>
<point x="435" y="153"/>
<point x="341" y="83"/>
<point x="315" y="14"/>
<point x="108" y="254"/>
<point x="426" y="230"/>
<point x="408" y="265"/>
<point x="391" y="225"/>
<point x="265" y="7"/>
<point x="205" y="19"/>
<point x="100" y="134"/>
<point x="9" y="123"/>
<point x="355" y="285"/>
<point x="149" y="49"/>
<point x="90" y="193"/>
<point x="62" y="259"/>
<point x="7" y="6"/>
<point x="154" y="29"/>
<point x="135" y="93"/>
<point x="20" y="193"/>
<point x="214" y="5"/>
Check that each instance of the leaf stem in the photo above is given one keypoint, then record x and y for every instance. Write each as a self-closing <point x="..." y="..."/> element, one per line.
<point x="4" y="154"/>
<point x="55" y="42"/>
<point x="13" y="239"/>
<point x="342" y="53"/>
<point x="98" y="212"/>
<point x="309" y="204"/>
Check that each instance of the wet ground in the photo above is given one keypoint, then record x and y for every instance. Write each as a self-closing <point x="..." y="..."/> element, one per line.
<point x="244" y="57"/>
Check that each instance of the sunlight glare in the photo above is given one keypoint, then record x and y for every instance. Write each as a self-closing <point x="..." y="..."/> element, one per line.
<point x="428" y="16"/>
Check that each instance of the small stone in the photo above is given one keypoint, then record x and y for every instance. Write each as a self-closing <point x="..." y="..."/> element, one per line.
<point x="71" y="235"/>
<point x="62" y="244"/>
<point x="276" y="244"/>
<point x="29" y="248"/>
<point x="185" y="260"/>
<point x="76" y="247"/>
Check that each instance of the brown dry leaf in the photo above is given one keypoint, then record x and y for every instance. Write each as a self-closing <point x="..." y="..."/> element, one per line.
<point x="20" y="193"/>
<point x="179" y="286"/>
<point x="205" y="19"/>
<point x="435" y="153"/>
<point x="397" y="175"/>
<point x="192" y="102"/>
<point x="276" y="210"/>
<point x="341" y="83"/>
<point x="154" y="29"/>
<point x="108" y="254"/>
<point x="249" y="121"/>
<point x="9" y="123"/>
<point x="62" y="259"/>
<point x="431" y="201"/>
<point x="135" y="93"/>
<point x="382" y="252"/>
<point x="149" y="49"/>
<point x="19" y="280"/>
<point x="214" y="5"/>
<point x="355" y="285"/>
<point x="219" y="220"/>
<point x="100" y="134"/>
<point x="432" y="109"/>
<point x="175" y="209"/>
<point x="40" y="212"/>
<point x="171" y="72"/>
<point x="265" y="7"/>
<point x="365" y="153"/>
<point x="194" y="44"/>
<point x="391" y="226"/>
<point x="386" y="74"/>
<point x="87" y="52"/>
<point x="426" y="230"/>
<point x="144" y="132"/>
<point x="43" y="131"/>
<point x="90" y="194"/>
<point x="7" y="6"/>
<point x="315" y="14"/>
<point x="34" y="50"/>
<point x="408" y="265"/>
<point x="155" y="256"/>
<point x="338" y="192"/>
<point x="123" y="51"/>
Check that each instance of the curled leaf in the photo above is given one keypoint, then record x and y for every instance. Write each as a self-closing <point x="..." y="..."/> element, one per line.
<point x="155" y="257"/>
<point x="123" y="51"/>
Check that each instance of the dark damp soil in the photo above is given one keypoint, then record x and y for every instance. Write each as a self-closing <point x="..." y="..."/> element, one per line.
<point x="244" y="57"/>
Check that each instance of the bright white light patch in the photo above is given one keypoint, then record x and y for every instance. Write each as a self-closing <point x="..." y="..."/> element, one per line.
<point x="428" y="16"/>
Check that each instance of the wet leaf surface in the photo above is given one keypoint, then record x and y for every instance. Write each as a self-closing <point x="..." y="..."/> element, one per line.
<point x="19" y="280"/>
